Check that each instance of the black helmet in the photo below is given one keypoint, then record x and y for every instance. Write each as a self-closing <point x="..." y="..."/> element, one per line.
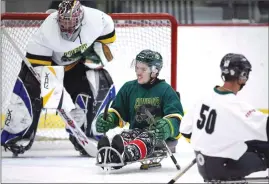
<point x="151" y="58"/>
<point x="235" y="66"/>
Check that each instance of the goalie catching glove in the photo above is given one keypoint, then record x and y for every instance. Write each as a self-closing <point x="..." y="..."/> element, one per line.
<point x="103" y="125"/>
<point x="162" y="129"/>
<point x="98" y="55"/>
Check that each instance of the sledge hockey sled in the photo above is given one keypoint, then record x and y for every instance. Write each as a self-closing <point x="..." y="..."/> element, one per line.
<point x="153" y="160"/>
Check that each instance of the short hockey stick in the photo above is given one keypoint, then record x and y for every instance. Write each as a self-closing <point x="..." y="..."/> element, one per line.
<point x="168" y="149"/>
<point x="106" y="109"/>
<point x="171" y="156"/>
<point x="89" y="146"/>
<point x="182" y="172"/>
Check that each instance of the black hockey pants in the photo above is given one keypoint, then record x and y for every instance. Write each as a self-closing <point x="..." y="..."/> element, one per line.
<point x="216" y="168"/>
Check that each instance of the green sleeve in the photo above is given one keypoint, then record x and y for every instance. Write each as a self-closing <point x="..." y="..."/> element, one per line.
<point x="173" y="110"/>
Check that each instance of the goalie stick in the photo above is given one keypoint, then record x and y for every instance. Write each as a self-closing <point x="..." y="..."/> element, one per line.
<point x="88" y="145"/>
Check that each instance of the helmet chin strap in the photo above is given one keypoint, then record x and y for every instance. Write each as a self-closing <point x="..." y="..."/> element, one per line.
<point x="153" y="79"/>
<point x="241" y="86"/>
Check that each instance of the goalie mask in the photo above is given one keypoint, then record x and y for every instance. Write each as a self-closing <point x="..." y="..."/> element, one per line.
<point x="147" y="65"/>
<point x="70" y="15"/>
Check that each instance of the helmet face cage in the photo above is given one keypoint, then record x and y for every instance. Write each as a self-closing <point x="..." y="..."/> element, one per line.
<point x="152" y="59"/>
<point x="70" y="15"/>
<point x="147" y="69"/>
<point x="235" y="66"/>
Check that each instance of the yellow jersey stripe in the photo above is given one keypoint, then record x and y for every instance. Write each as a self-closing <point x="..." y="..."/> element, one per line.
<point x="39" y="62"/>
<point x="109" y="38"/>
<point x="173" y="116"/>
<point x="178" y="136"/>
<point x="265" y="111"/>
<point x="171" y="126"/>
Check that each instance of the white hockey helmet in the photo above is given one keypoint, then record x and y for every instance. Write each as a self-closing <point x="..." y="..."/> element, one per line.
<point x="70" y="15"/>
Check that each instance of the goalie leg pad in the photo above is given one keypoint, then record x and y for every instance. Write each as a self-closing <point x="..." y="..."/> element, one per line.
<point x="53" y="94"/>
<point x="101" y="86"/>
<point x="24" y="109"/>
<point x="100" y="82"/>
<point x="19" y="112"/>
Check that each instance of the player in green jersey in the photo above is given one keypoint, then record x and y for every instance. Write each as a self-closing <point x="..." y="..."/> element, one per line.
<point x="151" y="107"/>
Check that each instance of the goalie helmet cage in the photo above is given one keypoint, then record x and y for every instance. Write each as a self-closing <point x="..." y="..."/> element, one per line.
<point x="134" y="31"/>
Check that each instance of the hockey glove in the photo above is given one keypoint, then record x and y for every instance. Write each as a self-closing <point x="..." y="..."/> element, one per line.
<point x="102" y="125"/>
<point x="161" y="129"/>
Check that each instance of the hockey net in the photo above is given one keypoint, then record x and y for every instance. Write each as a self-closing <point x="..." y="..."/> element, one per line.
<point x="135" y="32"/>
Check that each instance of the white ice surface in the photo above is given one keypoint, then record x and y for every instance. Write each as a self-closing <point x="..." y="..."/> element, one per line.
<point x="66" y="166"/>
